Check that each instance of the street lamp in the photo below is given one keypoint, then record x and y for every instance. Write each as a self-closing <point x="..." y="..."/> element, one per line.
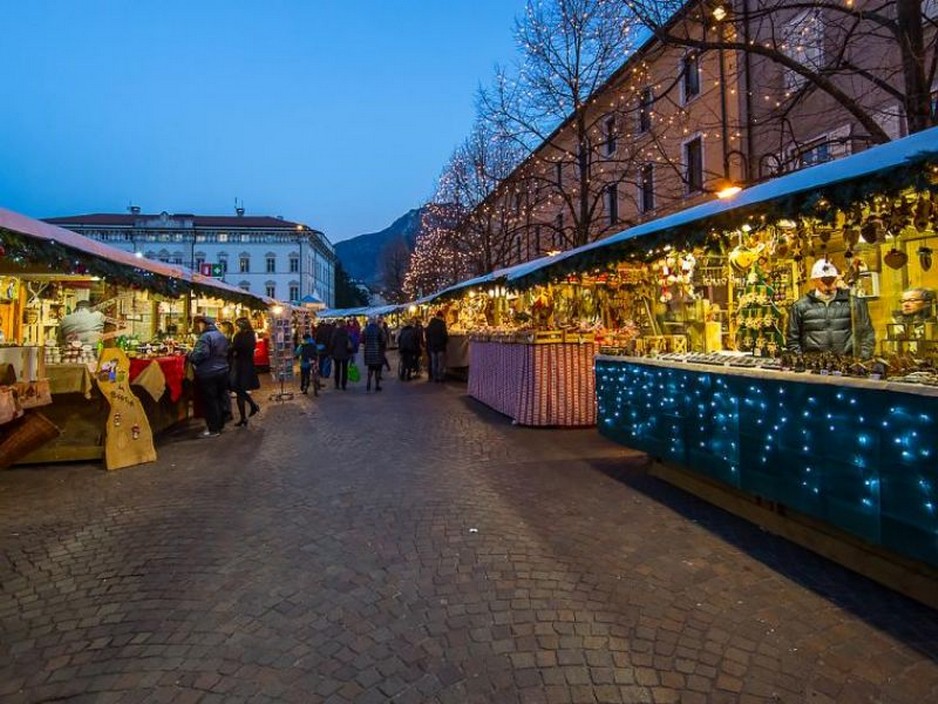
<point x="299" y="229"/>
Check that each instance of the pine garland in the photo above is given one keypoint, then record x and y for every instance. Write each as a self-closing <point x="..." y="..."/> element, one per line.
<point x="31" y="253"/>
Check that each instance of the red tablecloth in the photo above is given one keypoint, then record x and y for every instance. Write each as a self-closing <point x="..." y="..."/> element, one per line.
<point x="551" y="384"/>
<point x="174" y="369"/>
<point x="262" y="353"/>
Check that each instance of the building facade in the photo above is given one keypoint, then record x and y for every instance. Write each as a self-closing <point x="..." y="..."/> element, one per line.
<point x="261" y="254"/>
<point x="691" y="112"/>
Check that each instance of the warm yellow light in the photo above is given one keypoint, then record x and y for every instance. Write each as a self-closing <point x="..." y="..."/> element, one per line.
<point x="553" y="253"/>
<point x="277" y="310"/>
<point x="728" y="192"/>
<point x="719" y="13"/>
<point x="412" y="309"/>
<point x="786" y="224"/>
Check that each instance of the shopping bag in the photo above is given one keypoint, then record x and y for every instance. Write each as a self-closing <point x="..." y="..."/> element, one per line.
<point x="353" y="373"/>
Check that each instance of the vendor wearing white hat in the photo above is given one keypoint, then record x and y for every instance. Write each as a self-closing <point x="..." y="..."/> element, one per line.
<point x="829" y="318"/>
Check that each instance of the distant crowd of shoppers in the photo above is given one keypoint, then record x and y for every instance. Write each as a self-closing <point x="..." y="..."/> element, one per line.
<point x="223" y="360"/>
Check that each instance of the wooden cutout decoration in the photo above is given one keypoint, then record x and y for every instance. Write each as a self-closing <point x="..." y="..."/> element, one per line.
<point x="128" y="440"/>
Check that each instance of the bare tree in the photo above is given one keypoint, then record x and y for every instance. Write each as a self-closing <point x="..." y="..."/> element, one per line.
<point x="436" y="261"/>
<point x="395" y="260"/>
<point x="569" y="50"/>
<point x="872" y="62"/>
<point x="484" y="234"/>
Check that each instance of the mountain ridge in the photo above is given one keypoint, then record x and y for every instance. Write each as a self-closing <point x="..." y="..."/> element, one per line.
<point x="361" y="255"/>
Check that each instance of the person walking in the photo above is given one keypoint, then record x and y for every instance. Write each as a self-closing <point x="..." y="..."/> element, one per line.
<point x="243" y="374"/>
<point x="420" y="339"/>
<point x="374" y="356"/>
<point x="209" y="358"/>
<point x="340" y="350"/>
<point x="405" y="349"/>
<point x="323" y="339"/>
<point x="308" y="356"/>
<point x="437" y="337"/>
<point x="355" y="335"/>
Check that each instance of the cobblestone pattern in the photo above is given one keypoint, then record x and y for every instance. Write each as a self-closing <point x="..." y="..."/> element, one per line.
<point x="412" y="546"/>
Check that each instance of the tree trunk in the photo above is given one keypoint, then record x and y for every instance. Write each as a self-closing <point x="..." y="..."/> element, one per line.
<point x="583" y="220"/>
<point x="911" y="42"/>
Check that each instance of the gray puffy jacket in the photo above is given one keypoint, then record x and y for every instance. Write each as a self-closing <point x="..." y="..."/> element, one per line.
<point x="816" y="326"/>
<point x="210" y="355"/>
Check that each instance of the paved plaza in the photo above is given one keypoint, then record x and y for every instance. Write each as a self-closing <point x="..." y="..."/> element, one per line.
<point x="413" y="546"/>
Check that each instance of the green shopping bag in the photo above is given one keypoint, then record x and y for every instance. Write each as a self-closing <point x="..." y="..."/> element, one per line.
<point x="353" y="373"/>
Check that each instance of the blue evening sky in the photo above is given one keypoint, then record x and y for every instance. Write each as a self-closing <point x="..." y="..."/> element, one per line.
<point x="338" y="114"/>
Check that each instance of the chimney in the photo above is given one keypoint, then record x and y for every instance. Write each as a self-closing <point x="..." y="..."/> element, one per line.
<point x="134" y="209"/>
<point x="240" y="211"/>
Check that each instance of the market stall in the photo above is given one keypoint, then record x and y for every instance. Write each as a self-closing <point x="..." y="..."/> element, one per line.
<point x="781" y="345"/>
<point x="67" y="305"/>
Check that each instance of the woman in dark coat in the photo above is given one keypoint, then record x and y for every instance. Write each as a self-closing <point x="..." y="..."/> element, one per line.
<point x="243" y="375"/>
<point x="374" y="356"/>
<point x="340" y="349"/>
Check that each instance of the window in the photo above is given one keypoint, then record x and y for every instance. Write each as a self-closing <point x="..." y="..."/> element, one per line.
<point x="245" y="237"/>
<point x="559" y="173"/>
<point x="294" y="293"/>
<point x="803" y="42"/>
<point x="816" y="155"/>
<point x="177" y="261"/>
<point x="610" y="125"/>
<point x="271" y="264"/>
<point x="644" y="110"/>
<point x="222" y="236"/>
<point x="647" y="188"/>
<point x="199" y="261"/>
<point x="271" y="289"/>
<point x="690" y="76"/>
<point x="612" y="203"/>
<point x="294" y="265"/>
<point x="244" y="265"/>
<point x="224" y="264"/>
<point x="558" y="236"/>
<point x="245" y="286"/>
<point x="693" y="165"/>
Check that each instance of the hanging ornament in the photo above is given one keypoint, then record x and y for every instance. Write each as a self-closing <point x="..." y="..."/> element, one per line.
<point x="895" y="258"/>
<point x="924" y="257"/>
<point x="851" y="236"/>
<point x="873" y="229"/>
<point x="922" y="213"/>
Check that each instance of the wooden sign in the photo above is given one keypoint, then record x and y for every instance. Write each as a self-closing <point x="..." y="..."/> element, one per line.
<point x="128" y="440"/>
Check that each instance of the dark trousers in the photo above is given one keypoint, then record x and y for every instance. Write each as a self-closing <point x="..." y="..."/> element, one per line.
<point x="214" y="391"/>
<point x="305" y="373"/>
<point x="341" y="372"/>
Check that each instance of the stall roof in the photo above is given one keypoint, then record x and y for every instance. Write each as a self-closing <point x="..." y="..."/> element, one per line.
<point x="884" y="157"/>
<point x="364" y="310"/>
<point x="38" y="230"/>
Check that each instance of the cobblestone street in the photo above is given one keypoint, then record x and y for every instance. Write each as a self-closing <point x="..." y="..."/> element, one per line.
<point x="413" y="546"/>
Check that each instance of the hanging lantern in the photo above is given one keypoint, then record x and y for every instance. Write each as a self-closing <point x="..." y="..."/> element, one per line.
<point x="924" y="257"/>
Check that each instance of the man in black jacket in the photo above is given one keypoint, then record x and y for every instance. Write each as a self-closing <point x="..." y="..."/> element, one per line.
<point x="437" y="337"/>
<point x="829" y="318"/>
